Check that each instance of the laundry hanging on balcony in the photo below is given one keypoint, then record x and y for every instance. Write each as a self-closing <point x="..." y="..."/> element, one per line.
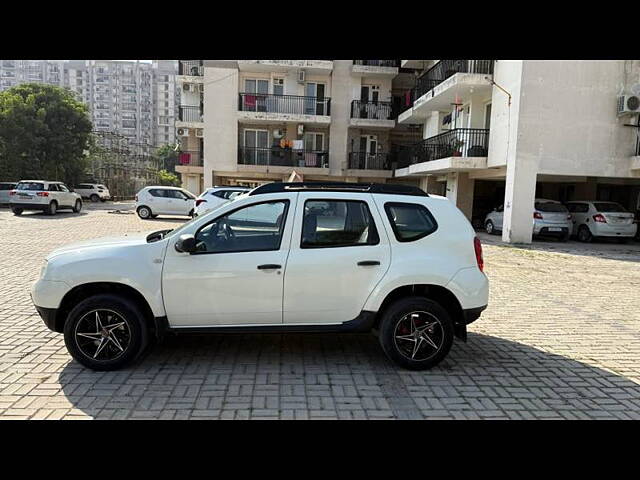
<point x="250" y="101"/>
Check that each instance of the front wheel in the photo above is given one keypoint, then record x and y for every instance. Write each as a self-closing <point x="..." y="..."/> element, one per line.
<point x="584" y="234"/>
<point x="416" y="333"/>
<point x="17" y="211"/>
<point x="105" y="332"/>
<point x="489" y="227"/>
<point x="77" y="207"/>
<point x="144" y="213"/>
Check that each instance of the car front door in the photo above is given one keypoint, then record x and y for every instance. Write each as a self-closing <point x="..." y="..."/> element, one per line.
<point x="339" y="253"/>
<point x="235" y="277"/>
<point x="68" y="198"/>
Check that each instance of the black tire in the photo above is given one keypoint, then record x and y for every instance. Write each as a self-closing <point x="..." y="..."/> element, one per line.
<point x="53" y="208"/>
<point x="77" y="207"/>
<point x="624" y="239"/>
<point x="192" y="213"/>
<point x="94" y="198"/>
<point x="133" y="339"/>
<point x="17" y="211"/>
<point x="563" y="238"/>
<point x="489" y="228"/>
<point x="397" y="317"/>
<point x="584" y="234"/>
<point x="144" y="212"/>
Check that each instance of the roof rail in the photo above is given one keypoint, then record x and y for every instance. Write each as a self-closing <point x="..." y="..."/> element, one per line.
<point x="391" y="189"/>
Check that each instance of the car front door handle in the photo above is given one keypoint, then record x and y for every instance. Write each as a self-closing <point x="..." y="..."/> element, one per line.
<point x="368" y="263"/>
<point x="269" y="266"/>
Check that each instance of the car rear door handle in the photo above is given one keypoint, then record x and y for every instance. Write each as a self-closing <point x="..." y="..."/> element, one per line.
<point x="368" y="263"/>
<point x="269" y="266"/>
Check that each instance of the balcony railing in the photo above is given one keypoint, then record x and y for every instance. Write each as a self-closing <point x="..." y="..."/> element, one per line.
<point x="289" y="104"/>
<point x="371" y="110"/>
<point x="190" y="114"/>
<point x="459" y="142"/>
<point x="447" y="68"/>
<point x="378" y="63"/>
<point x="276" y="156"/>
<point x="369" y="161"/>
<point x="190" y="158"/>
<point x="193" y="68"/>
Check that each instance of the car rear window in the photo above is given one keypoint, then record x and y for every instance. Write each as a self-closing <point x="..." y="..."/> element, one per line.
<point x="410" y="221"/>
<point x="30" y="186"/>
<point x="550" y="207"/>
<point x="7" y="186"/>
<point x="609" y="207"/>
<point x="157" y="192"/>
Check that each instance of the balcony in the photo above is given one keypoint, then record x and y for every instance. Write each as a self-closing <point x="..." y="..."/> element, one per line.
<point x="189" y="115"/>
<point x="190" y="161"/>
<point x="311" y="67"/>
<point x="373" y="114"/>
<point x="375" y="68"/>
<point x="283" y="157"/>
<point x="190" y="68"/>
<point x="460" y="149"/>
<point x="447" y="82"/>
<point x="284" y="108"/>
<point x="369" y="161"/>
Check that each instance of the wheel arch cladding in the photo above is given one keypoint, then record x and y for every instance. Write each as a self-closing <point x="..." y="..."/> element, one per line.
<point x="84" y="291"/>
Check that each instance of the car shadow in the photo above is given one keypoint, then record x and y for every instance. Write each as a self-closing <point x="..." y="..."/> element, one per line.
<point x="60" y="215"/>
<point x="167" y="219"/>
<point x="208" y="374"/>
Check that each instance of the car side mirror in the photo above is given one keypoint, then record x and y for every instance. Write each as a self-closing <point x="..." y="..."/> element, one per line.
<point x="186" y="244"/>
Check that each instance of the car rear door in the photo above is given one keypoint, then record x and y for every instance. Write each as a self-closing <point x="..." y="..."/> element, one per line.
<point x="339" y="253"/>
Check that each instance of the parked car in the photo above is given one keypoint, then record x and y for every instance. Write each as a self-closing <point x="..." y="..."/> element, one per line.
<point x="96" y="192"/>
<point x="285" y="257"/>
<point x="160" y="200"/>
<point x="43" y="195"/>
<point x="5" y="187"/>
<point x="550" y="217"/>
<point x="593" y="219"/>
<point x="213" y="197"/>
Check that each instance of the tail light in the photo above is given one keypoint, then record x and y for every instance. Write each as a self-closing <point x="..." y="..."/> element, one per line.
<point x="12" y="192"/>
<point x="42" y="194"/>
<point x="477" y="246"/>
<point x="537" y="215"/>
<point x="599" y="218"/>
<point x="569" y="217"/>
<point x="199" y="201"/>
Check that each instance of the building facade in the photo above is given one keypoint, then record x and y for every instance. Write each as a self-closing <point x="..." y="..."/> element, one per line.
<point x="254" y="121"/>
<point x="135" y="99"/>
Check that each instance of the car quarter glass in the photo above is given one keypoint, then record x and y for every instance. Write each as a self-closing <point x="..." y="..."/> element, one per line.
<point x="410" y="221"/>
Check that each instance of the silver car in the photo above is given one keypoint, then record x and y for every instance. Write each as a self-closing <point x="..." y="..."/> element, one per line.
<point x="5" y="187"/>
<point x="550" y="217"/>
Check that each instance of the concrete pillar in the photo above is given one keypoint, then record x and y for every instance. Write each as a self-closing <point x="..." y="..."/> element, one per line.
<point x="342" y="85"/>
<point x="429" y="185"/>
<point x="460" y="191"/>
<point x="519" y="196"/>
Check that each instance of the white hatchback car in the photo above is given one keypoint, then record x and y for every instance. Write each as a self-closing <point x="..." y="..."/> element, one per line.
<point x="43" y="195"/>
<point x="160" y="200"/>
<point x="96" y="192"/>
<point x="301" y="257"/>
<point x="592" y="219"/>
<point x="550" y="217"/>
<point x="213" y="197"/>
<point x="5" y="188"/>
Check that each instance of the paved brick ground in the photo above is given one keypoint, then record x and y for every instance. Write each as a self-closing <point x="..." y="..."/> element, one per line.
<point x="560" y="340"/>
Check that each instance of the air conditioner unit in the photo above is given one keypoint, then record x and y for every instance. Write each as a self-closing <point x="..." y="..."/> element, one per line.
<point x="300" y="128"/>
<point x="186" y="87"/>
<point x="277" y="133"/>
<point x="301" y="76"/>
<point x="200" y="132"/>
<point x="183" y="132"/>
<point x="628" y="104"/>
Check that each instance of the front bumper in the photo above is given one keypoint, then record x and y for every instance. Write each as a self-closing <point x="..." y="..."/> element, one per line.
<point x="48" y="316"/>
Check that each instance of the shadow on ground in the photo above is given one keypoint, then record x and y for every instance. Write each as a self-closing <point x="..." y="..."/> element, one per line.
<point x="233" y="375"/>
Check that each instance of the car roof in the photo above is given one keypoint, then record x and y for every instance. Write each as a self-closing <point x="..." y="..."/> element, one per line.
<point x="163" y="186"/>
<point x="594" y="201"/>
<point x="546" y="200"/>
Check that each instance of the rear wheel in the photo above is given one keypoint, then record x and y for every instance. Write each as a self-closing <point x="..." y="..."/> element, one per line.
<point x="584" y="234"/>
<point x="144" y="213"/>
<point x="105" y="332"/>
<point x="416" y="333"/>
<point x="17" y="211"/>
<point x="490" y="228"/>
<point x="563" y="238"/>
<point x="53" y="208"/>
<point x="77" y="207"/>
<point x="623" y="239"/>
<point x="95" y="198"/>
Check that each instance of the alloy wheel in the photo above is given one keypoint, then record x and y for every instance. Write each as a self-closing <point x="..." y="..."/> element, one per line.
<point x="418" y="335"/>
<point x="102" y="335"/>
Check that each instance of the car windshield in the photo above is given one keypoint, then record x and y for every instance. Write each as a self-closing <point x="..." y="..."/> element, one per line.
<point x="177" y="231"/>
<point x="609" y="207"/>
<point x="30" y="186"/>
<point x="550" y="207"/>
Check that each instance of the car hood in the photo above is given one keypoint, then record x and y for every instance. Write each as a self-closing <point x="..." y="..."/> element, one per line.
<point x="125" y="240"/>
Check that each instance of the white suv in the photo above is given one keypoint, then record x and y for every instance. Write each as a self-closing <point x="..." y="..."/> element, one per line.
<point x="96" y="192"/>
<point x="550" y="218"/>
<point x="43" y="195"/>
<point x="299" y="257"/>
<point x="159" y="200"/>
<point x="601" y="219"/>
<point x="213" y="197"/>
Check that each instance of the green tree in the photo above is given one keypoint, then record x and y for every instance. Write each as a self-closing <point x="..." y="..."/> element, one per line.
<point x="169" y="179"/>
<point x="44" y="132"/>
<point x="168" y="157"/>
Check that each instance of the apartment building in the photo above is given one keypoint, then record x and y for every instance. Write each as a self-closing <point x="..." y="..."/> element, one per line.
<point x="135" y="99"/>
<point x="254" y="121"/>
<point x="501" y="133"/>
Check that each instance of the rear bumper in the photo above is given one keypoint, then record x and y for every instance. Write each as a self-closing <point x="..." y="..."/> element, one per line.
<point x="552" y="230"/>
<point x="29" y="206"/>
<point x="472" y="314"/>
<point x="612" y="230"/>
